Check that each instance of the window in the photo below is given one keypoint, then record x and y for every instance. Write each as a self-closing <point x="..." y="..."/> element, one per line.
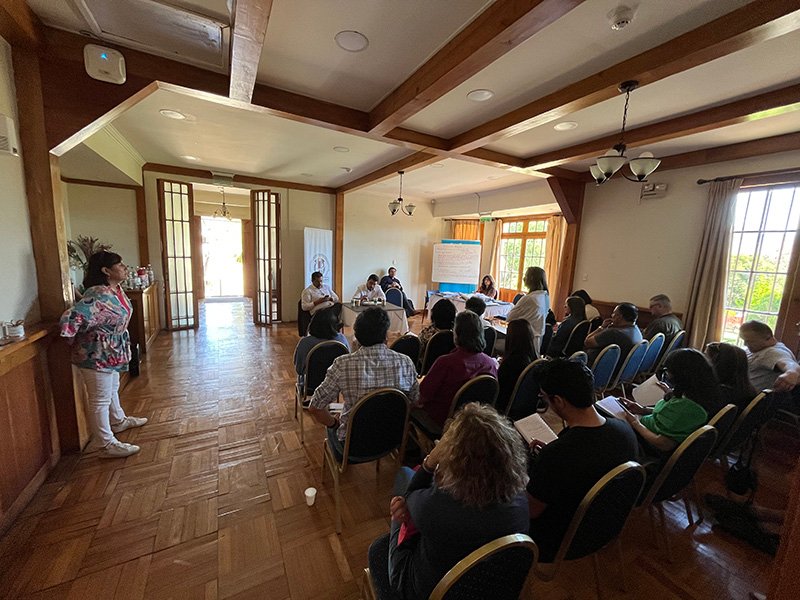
<point x="522" y="245"/>
<point x="764" y="232"/>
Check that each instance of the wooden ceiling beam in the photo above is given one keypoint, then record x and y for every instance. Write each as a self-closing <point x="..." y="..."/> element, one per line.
<point x="409" y="163"/>
<point x="250" y="20"/>
<point x="19" y="25"/>
<point x="500" y="28"/>
<point x="752" y="24"/>
<point x="569" y="195"/>
<point x="749" y="109"/>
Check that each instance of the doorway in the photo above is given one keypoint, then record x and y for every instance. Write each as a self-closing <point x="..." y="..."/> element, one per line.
<point x="223" y="263"/>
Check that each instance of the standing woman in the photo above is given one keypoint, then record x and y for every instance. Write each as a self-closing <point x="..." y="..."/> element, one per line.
<point x="97" y="328"/>
<point x="487" y="287"/>
<point x="534" y="305"/>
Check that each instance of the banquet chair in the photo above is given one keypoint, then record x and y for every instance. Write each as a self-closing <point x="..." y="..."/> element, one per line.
<point x="576" y="338"/>
<point x="524" y="400"/>
<point x="630" y="366"/>
<point x="490" y="334"/>
<point x="675" y="343"/>
<point x="604" y="366"/>
<point x="318" y="361"/>
<point x="723" y="422"/>
<point x="409" y="345"/>
<point x="647" y="368"/>
<point x="746" y="425"/>
<point x="440" y="344"/>
<point x="394" y="296"/>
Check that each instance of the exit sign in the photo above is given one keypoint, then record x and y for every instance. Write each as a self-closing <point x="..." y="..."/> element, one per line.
<point x="486" y="219"/>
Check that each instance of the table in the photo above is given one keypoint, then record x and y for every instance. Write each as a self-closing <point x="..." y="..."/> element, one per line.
<point x="494" y="308"/>
<point x="397" y="315"/>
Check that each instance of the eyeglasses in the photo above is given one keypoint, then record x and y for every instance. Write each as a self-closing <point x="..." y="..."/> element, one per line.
<point x="662" y="373"/>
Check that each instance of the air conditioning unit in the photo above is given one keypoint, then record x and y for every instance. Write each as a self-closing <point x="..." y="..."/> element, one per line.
<point x="9" y="144"/>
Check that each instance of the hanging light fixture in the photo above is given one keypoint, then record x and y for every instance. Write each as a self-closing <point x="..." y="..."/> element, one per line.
<point x="613" y="160"/>
<point x="397" y="205"/>
<point x="223" y="211"/>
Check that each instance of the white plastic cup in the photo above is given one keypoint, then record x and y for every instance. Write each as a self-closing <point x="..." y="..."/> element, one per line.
<point x="311" y="495"/>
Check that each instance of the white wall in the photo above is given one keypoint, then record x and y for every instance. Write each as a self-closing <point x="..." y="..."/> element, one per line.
<point x="19" y="292"/>
<point x="108" y="214"/>
<point x="630" y="251"/>
<point x="373" y="240"/>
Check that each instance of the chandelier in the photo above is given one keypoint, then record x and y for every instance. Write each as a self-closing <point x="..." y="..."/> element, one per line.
<point x="397" y="205"/>
<point x="223" y="211"/>
<point x="613" y="160"/>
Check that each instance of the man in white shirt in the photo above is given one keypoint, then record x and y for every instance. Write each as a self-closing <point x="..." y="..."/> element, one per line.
<point x="771" y="364"/>
<point x="318" y="296"/>
<point x="367" y="292"/>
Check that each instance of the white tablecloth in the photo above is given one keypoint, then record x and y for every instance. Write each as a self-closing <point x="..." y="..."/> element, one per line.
<point x="494" y="308"/>
<point x="397" y="316"/>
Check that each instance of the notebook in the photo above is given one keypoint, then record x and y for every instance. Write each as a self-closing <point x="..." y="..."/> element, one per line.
<point x="649" y="392"/>
<point x="612" y="407"/>
<point x="534" y="428"/>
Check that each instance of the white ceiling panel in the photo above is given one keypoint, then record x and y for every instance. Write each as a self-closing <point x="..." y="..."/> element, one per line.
<point x="300" y="53"/>
<point x="60" y="14"/>
<point x="84" y="163"/>
<point x="578" y="45"/>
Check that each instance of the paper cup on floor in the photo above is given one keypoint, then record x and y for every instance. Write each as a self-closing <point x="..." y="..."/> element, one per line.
<point x="311" y="495"/>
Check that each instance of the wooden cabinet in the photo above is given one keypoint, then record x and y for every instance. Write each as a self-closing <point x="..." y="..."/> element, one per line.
<point x="146" y="322"/>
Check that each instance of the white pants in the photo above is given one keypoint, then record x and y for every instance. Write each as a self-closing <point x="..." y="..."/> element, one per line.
<point x="103" y="400"/>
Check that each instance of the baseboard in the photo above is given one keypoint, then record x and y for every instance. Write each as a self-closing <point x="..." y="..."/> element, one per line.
<point x="27" y="494"/>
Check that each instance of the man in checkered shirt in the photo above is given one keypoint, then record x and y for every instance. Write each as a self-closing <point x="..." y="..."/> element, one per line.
<point x="370" y="367"/>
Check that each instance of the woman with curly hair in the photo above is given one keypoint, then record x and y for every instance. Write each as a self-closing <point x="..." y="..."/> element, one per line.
<point x="469" y="491"/>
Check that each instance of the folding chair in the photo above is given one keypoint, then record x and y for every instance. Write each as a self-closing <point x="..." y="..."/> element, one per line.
<point x="318" y="361"/>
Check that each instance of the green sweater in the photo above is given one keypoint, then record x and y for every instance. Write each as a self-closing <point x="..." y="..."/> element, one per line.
<point x="676" y="418"/>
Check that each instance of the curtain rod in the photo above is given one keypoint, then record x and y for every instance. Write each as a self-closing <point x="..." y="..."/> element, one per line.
<point x="747" y="175"/>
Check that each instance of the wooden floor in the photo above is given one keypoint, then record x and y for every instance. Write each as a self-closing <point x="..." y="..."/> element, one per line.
<point x="213" y="505"/>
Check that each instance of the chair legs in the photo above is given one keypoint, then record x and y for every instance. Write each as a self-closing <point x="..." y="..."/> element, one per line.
<point x="302" y="428"/>
<point x="330" y="461"/>
<point x="598" y="586"/>
<point x="623" y="583"/>
<point x="688" y="506"/>
<point x="367" y="587"/>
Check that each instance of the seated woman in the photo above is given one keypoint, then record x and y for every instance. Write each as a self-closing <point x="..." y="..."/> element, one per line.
<point x="325" y="326"/>
<point x="575" y="309"/>
<point x="518" y="354"/>
<point x="693" y="400"/>
<point x="443" y="315"/>
<point x="487" y="287"/>
<point x="469" y="491"/>
<point x="591" y="312"/>
<point x="453" y="370"/>
<point x="731" y="368"/>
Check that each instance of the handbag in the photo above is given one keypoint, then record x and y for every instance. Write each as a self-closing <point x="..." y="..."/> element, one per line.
<point x="741" y="479"/>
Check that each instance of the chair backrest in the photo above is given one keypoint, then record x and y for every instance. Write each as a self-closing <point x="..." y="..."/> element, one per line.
<point x="631" y="364"/>
<point x="579" y="356"/>
<point x="303" y="319"/>
<point x="576" y="338"/>
<point x="602" y="513"/>
<point x="440" y="344"/>
<point x="595" y="323"/>
<point x="482" y="389"/>
<point x="753" y="416"/>
<point x="652" y="354"/>
<point x="407" y="344"/>
<point x="675" y="343"/>
<point x="722" y="422"/>
<point x="394" y="296"/>
<point x="525" y="392"/>
<point x="490" y="333"/>
<point x="496" y="570"/>
<point x="319" y="360"/>
<point x="378" y="424"/>
<point x="604" y="366"/>
<point x="546" y="337"/>
<point x="517" y="297"/>
<point x="682" y="465"/>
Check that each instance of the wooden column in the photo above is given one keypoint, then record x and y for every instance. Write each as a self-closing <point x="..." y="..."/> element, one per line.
<point x="783" y="582"/>
<point x="569" y="195"/>
<point x="338" y="245"/>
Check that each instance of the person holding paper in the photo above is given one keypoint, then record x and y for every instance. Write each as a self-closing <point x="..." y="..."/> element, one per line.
<point x="367" y="292"/>
<point x="319" y="296"/>
<point x="563" y="471"/>
<point x="694" y="399"/>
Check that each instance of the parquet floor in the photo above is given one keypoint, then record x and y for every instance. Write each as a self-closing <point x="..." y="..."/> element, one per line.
<point x="213" y="505"/>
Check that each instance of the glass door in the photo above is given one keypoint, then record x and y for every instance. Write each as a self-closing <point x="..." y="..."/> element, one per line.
<point x="265" y="213"/>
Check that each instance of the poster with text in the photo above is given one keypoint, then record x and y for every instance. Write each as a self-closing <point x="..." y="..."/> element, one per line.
<point x="318" y="253"/>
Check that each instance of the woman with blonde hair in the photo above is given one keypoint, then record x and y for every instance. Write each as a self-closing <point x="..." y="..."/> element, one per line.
<point x="469" y="491"/>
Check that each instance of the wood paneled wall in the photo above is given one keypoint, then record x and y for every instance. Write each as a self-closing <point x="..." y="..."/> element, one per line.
<point x="645" y="316"/>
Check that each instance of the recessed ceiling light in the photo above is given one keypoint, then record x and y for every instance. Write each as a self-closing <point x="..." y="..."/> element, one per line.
<point x="341" y="149"/>
<point x="188" y="157"/>
<point x="346" y="169"/>
<point x="172" y="114"/>
<point x="352" y="41"/>
<point x="437" y="166"/>
<point x="565" y="126"/>
<point x="480" y="95"/>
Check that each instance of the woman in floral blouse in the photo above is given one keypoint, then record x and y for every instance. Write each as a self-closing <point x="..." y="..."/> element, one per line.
<point x="97" y="329"/>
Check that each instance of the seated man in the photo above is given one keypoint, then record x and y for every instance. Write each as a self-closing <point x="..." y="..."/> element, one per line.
<point x="367" y="292"/>
<point x="620" y="329"/>
<point x="478" y="306"/>
<point x="370" y="367"/>
<point x="772" y="365"/>
<point x="663" y="320"/>
<point x="563" y="471"/>
<point x="318" y="296"/>
<point x="389" y="281"/>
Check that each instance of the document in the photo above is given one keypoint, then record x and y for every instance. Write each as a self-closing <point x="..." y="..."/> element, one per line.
<point x="649" y="392"/>
<point x="534" y="428"/>
<point x="610" y="405"/>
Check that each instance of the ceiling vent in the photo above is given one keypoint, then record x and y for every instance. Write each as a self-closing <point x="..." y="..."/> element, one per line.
<point x="158" y="28"/>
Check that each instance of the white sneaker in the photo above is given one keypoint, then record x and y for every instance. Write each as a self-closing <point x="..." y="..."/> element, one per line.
<point x="128" y="423"/>
<point x="117" y="449"/>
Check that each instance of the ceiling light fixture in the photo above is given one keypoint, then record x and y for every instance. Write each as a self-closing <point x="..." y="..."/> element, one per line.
<point x="223" y="210"/>
<point x="352" y="41"/>
<point x="171" y="113"/>
<point x="565" y="126"/>
<point x="613" y="160"/>
<point x="341" y="149"/>
<point x="188" y="157"/>
<point x="480" y="95"/>
<point x="396" y="206"/>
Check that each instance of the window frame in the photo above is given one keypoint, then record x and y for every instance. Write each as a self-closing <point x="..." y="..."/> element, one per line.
<point x="524" y="236"/>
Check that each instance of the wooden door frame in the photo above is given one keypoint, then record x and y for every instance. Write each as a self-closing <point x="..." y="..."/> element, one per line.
<point x="275" y="197"/>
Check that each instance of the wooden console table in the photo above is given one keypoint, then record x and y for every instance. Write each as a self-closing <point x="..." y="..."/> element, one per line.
<point x="146" y="321"/>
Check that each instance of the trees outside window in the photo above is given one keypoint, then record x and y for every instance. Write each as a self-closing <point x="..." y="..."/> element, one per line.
<point x="522" y="245"/>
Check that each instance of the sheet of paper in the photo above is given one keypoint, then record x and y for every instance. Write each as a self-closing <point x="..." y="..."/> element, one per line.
<point x="336" y="406"/>
<point x="649" y="392"/>
<point x="534" y="428"/>
<point x="612" y="407"/>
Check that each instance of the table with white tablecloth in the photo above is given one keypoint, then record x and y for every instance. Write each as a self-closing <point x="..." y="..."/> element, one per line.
<point x="397" y="315"/>
<point x="494" y="308"/>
